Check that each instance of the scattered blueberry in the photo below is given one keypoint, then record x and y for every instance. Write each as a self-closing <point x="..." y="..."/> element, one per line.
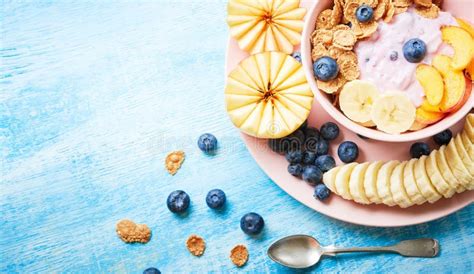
<point x="178" y="201"/>
<point x="312" y="174"/>
<point x="443" y="137"/>
<point x="252" y="223"/>
<point x="348" y="151"/>
<point x="419" y="149"/>
<point x="325" y="68"/>
<point x="151" y="270"/>
<point x="294" y="141"/>
<point x="275" y="145"/>
<point x="364" y="13"/>
<point x="295" y="170"/>
<point x="325" y="162"/>
<point x="297" y="56"/>
<point x="321" y="192"/>
<point x="414" y="50"/>
<point x="207" y="142"/>
<point x="322" y="147"/>
<point x="329" y="131"/>
<point x="309" y="157"/>
<point x="394" y="56"/>
<point x="215" y="198"/>
<point x="312" y="136"/>
<point x="294" y="157"/>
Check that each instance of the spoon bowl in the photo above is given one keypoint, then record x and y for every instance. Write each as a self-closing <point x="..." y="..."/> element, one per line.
<point x="296" y="251"/>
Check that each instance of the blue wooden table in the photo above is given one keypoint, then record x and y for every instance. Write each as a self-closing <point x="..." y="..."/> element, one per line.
<point x="93" y="95"/>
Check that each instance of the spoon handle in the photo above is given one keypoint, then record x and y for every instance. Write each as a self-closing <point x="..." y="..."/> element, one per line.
<point x="410" y="248"/>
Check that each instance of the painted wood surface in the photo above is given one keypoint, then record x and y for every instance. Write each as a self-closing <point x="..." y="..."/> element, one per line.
<point x="93" y="95"/>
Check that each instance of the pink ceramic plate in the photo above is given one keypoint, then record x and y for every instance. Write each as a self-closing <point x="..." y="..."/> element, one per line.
<point x="371" y="215"/>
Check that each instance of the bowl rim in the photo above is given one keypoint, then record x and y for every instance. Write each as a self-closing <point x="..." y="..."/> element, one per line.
<point x="335" y="113"/>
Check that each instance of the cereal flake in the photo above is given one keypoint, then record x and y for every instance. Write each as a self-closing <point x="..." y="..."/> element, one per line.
<point x="173" y="161"/>
<point x="431" y="12"/>
<point x="196" y="245"/>
<point x="344" y="39"/>
<point x="324" y="20"/>
<point x="424" y="3"/>
<point x="318" y="51"/>
<point x="130" y="232"/>
<point x="239" y="255"/>
<point x="332" y="86"/>
<point x="349" y="69"/>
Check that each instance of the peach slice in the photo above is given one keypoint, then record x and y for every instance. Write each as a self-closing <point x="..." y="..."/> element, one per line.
<point x="428" y="117"/>
<point x="455" y="87"/>
<point x="462" y="43"/>
<point x="442" y="63"/>
<point x="470" y="70"/>
<point x="466" y="26"/>
<point x="465" y="97"/>
<point x="432" y="82"/>
<point x="417" y="126"/>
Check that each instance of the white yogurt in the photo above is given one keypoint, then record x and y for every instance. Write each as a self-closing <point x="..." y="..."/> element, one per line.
<point x="374" y="54"/>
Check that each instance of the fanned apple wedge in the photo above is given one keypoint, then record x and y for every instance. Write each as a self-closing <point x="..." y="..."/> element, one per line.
<point x="267" y="95"/>
<point x="266" y="25"/>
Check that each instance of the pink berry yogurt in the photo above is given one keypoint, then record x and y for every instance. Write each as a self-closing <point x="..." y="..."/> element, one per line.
<point x="374" y="53"/>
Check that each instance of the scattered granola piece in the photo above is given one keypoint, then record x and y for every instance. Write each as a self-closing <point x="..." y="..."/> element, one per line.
<point x="131" y="232"/>
<point x="173" y="161"/>
<point x="324" y="20"/>
<point x="196" y="245"/>
<point x="431" y="12"/>
<point x="239" y="255"/>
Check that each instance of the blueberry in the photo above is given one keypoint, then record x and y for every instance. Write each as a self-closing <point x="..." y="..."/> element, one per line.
<point x="325" y="69"/>
<point x="297" y="56"/>
<point x="443" y="137"/>
<point x="295" y="170"/>
<point x="329" y="131"/>
<point x="419" y="149"/>
<point x="364" y="13"/>
<point x="294" y="157"/>
<point x="309" y="157"/>
<point x="323" y="147"/>
<point x="349" y="24"/>
<point x="321" y="192"/>
<point x="178" y="201"/>
<point x="304" y="125"/>
<point x="252" y="223"/>
<point x="215" y="199"/>
<point x="312" y="174"/>
<point x="414" y="50"/>
<point x="151" y="270"/>
<point x="294" y="141"/>
<point x="207" y="142"/>
<point x="348" y="152"/>
<point x="394" y="56"/>
<point x="325" y="162"/>
<point x="312" y="136"/>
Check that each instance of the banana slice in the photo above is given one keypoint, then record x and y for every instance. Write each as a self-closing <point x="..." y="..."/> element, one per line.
<point x="469" y="127"/>
<point x="356" y="100"/>
<point x="457" y="166"/>
<point x="329" y="179"/>
<point x="356" y="183"/>
<point x="267" y="95"/>
<point x="370" y="182"/>
<point x="446" y="170"/>
<point x="383" y="182"/>
<point x="433" y="172"/>
<point x="423" y="182"/>
<point x="462" y="151"/>
<point x="468" y="145"/>
<point x="397" y="188"/>
<point x="265" y="25"/>
<point x="393" y="113"/>
<point x="342" y="181"/>
<point x="410" y="184"/>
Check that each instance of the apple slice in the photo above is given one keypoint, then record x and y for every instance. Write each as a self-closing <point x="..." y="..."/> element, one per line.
<point x="432" y="82"/>
<point x="462" y="43"/>
<point x="428" y="117"/>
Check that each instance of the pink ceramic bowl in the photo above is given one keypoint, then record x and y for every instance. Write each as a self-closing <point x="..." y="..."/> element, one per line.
<point x="457" y="8"/>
